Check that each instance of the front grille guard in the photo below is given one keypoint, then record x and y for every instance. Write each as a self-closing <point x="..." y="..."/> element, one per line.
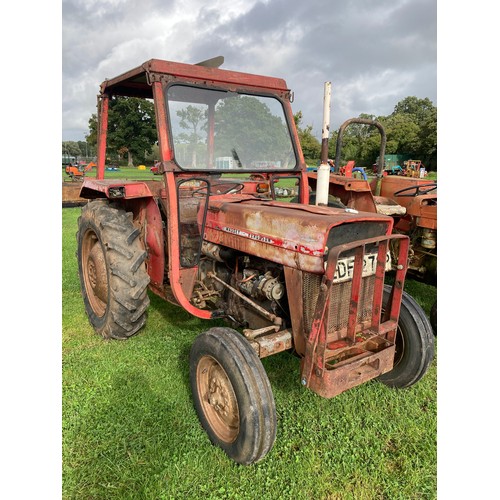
<point x="316" y="345"/>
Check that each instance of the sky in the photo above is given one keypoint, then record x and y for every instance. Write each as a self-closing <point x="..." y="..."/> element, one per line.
<point x="374" y="52"/>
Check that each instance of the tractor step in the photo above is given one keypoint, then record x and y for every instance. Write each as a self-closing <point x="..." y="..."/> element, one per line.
<point x="349" y="365"/>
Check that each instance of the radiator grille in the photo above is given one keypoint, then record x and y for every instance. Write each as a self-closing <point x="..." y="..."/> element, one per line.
<point x="338" y="313"/>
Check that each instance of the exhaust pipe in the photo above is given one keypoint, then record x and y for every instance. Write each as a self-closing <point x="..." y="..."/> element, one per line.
<point x="323" y="182"/>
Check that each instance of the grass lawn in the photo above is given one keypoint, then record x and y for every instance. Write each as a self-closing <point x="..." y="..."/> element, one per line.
<point x="132" y="173"/>
<point x="123" y="173"/>
<point x="130" y="430"/>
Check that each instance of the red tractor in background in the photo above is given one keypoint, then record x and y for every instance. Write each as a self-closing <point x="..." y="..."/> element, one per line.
<point x="409" y="198"/>
<point x="285" y="276"/>
<point x="411" y="168"/>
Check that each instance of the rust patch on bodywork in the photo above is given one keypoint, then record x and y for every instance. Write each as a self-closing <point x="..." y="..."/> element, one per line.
<point x="290" y="234"/>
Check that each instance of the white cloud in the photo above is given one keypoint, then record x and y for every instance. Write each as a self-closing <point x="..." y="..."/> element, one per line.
<point x="369" y="50"/>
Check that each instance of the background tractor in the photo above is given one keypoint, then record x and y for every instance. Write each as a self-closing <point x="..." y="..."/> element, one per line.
<point x="214" y="239"/>
<point x="409" y="198"/>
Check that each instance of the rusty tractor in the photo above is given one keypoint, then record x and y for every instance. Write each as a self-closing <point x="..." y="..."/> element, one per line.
<point x="409" y="198"/>
<point x="286" y="276"/>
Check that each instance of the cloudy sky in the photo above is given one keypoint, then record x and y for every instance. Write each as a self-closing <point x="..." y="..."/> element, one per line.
<point x="375" y="52"/>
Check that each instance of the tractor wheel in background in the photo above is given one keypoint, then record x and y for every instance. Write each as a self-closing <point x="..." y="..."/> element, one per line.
<point x="112" y="269"/>
<point x="414" y="344"/>
<point x="232" y="395"/>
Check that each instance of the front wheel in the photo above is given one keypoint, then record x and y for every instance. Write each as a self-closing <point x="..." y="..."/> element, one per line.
<point x="414" y="344"/>
<point x="232" y="395"/>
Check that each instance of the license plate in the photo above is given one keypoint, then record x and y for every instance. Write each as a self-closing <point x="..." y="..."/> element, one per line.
<point x="345" y="267"/>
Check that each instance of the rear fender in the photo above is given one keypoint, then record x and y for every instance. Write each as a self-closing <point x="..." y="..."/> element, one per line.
<point x="147" y="217"/>
<point x="114" y="189"/>
<point x="136" y="197"/>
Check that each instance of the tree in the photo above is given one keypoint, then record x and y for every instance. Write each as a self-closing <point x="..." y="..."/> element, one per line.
<point x="131" y="128"/>
<point x="423" y="114"/>
<point x="247" y="129"/>
<point x="410" y="129"/>
<point x="192" y="119"/>
<point x="421" y="110"/>
<point x="91" y="137"/>
<point x="360" y="142"/>
<point x="402" y="134"/>
<point x="71" y="148"/>
<point x="131" y="125"/>
<point x="311" y="147"/>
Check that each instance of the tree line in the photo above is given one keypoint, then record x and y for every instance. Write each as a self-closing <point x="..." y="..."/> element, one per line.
<point x="131" y="134"/>
<point x="411" y="129"/>
<point x="78" y="149"/>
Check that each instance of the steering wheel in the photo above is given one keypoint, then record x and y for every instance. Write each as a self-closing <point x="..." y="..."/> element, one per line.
<point x="222" y="188"/>
<point x="417" y="190"/>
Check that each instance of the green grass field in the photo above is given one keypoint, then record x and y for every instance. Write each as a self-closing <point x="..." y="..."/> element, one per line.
<point x="130" y="430"/>
<point x="133" y="173"/>
<point x="123" y="173"/>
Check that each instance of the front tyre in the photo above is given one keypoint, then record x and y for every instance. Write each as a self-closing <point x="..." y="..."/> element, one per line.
<point x="414" y="344"/>
<point x="232" y="395"/>
<point x="112" y="269"/>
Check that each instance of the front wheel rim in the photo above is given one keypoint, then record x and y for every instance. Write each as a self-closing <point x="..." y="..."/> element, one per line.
<point x="218" y="399"/>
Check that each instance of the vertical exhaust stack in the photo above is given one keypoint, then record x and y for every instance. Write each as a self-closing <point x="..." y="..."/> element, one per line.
<point x="324" y="169"/>
<point x="102" y="127"/>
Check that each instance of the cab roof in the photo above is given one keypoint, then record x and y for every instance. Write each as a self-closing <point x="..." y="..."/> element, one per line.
<point x="137" y="82"/>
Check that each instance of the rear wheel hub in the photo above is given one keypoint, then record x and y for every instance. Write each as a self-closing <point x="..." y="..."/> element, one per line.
<point x="95" y="274"/>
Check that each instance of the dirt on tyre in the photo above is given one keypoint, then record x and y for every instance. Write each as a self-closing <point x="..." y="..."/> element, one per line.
<point x="112" y="270"/>
<point x="232" y="395"/>
<point x="414" y="344"/>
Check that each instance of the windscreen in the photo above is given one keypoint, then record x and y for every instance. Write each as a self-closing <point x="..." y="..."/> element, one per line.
<point x="218" y="130"/>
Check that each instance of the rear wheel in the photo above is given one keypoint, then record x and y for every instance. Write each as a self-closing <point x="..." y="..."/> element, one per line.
<point x="112" y="269"/>
<point x="232" y="395"/>
<point x="414" y="344"/>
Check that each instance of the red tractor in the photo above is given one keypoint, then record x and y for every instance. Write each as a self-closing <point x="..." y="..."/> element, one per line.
<point x="409" y="198"/>
<point x="285" y="276"/>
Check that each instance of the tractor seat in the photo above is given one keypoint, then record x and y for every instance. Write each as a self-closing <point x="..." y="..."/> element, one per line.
<point x="386" y="206"/>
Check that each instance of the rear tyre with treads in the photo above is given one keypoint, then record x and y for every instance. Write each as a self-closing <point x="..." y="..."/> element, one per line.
<point x="112" y="270"/>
